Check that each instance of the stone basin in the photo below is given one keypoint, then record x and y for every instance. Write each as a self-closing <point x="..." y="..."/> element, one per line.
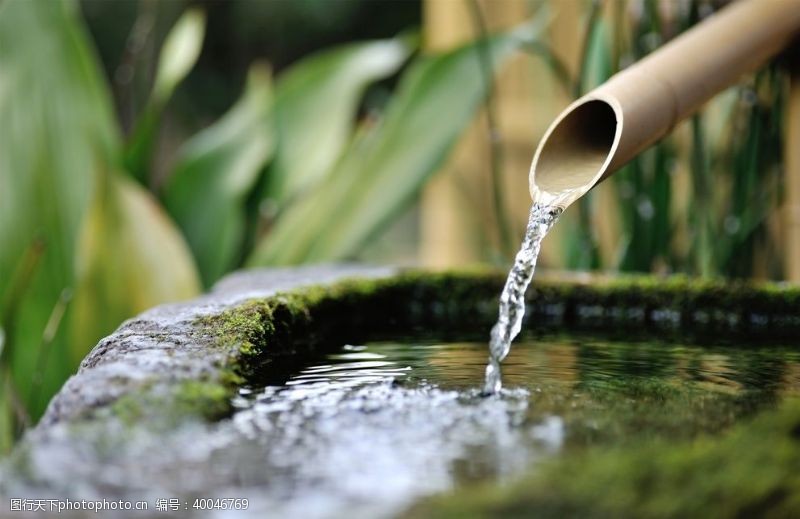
<point x="149" y="414"/>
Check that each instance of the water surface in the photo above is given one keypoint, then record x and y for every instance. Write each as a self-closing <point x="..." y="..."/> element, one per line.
<point x="369" y="429"/>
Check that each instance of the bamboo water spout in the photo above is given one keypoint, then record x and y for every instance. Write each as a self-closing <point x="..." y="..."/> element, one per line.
<point x="603" y="130"/>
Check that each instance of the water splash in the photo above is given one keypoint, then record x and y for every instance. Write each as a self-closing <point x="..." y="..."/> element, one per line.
<point x="512" y="300"/>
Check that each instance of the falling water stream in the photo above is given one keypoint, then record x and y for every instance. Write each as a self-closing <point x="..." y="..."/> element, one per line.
<point x="512" y="300"/>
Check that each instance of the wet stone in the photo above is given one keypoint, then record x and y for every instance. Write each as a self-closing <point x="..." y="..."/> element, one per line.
<point x="369" y="427"/>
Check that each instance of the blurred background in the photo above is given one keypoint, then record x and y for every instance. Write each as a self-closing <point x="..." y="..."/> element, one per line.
<point x="150" y="147"/>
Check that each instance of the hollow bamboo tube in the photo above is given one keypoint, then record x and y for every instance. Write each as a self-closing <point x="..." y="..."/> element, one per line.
<point x="603" y="130"/>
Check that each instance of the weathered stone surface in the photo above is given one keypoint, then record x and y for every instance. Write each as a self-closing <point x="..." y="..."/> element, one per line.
<point x="93" y="441"/>
<point x="163" y="345"/>
<point x="140" y="418"/>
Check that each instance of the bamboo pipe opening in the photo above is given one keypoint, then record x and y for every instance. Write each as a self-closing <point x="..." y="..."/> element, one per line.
<point x="575" y="152"/>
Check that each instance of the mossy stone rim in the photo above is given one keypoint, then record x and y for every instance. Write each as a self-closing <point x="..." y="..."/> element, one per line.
<point x="236" y="339"/>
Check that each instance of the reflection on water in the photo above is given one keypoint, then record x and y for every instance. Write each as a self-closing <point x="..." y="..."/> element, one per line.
<point x="367" y="430"/>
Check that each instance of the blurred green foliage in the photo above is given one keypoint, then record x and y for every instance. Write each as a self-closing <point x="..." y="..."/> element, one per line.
<point x="733" y="157"/>
<point x="57" y="128"/>
<point x="214" y="173"/>
<point x="292" y="172"/>
<point x="83" y="247"/>
<point x="387" y="162"/>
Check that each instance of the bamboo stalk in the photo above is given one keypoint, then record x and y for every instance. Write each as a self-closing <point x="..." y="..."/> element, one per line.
<point x="443" y="240"/>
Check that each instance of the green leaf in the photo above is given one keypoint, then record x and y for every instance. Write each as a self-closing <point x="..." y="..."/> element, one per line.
<point x="56" y="126"/>
<point x="130" y="258"/>
<point x="383" y="171"/>
<point x="315" y="106"/>
<point x="215" y="172"/>
<point x="598" y="67"/>
<point x="178" y="55"/>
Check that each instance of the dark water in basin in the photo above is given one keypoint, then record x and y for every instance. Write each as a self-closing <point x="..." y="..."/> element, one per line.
<point x="369" y="429"/>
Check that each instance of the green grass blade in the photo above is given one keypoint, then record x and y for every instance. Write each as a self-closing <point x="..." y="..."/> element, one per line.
<point x="702" y="250"/>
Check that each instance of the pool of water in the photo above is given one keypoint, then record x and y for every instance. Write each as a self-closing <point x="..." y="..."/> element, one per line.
<point x="369" y="429"/>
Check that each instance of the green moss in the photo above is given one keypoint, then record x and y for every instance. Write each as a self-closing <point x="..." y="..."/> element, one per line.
<point x="169" y="405"/>
<point x="209" y="400"/>
<point x="129" y="408"/>
<point x="460" y="294"/>
<point x="240" y="326"/>
<point x="750" y="472"/>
